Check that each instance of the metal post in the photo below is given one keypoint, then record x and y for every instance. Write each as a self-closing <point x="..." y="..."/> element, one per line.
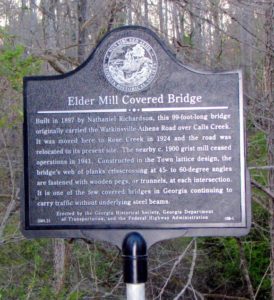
<point x="134" y="251"/>
<point x="136" y="291"/>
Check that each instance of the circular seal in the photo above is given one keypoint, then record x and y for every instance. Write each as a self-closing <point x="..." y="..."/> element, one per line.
<point x="130" y="64"/>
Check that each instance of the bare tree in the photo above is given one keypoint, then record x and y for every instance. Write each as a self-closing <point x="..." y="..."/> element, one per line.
<point x="269" y="69"/>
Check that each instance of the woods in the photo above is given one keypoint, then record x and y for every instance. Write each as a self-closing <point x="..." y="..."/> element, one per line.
<point x="49" y="37"/>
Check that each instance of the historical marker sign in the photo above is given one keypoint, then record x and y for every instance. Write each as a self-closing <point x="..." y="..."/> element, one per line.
<point x="133" y="139"/>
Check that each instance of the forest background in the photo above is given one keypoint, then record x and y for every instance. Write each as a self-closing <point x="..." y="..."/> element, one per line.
<point x="55" y="36"/>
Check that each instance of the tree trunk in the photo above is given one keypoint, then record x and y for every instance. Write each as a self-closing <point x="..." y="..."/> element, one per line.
<point x="161" y="18"/>
<point x="82" y="8"/>
<point x="146" y="12"/>
<point x="269" y="68"/>
<point x="48" y="8"/>
<point x="196" y="30"/>
<point x="48" y="22"/>
<point x="244" y="268"/>
<point x="247" y="20"/>
<point x="62" y="257"/>
<point x="216" y="44"/>
<point x="59" y="264"/>
<point x="176" y="17"/>
<point x="23" y="10"/>
<point x="129" y="12"/>
<point x="33" y="23"/>
<point x="166" y="20"/>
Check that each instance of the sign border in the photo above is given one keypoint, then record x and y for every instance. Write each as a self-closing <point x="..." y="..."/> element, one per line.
<point x="196" y="229"/>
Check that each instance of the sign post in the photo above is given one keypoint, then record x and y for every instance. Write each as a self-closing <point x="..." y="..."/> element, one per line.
<point x="134" y="146"/>
<point x="134" y="251"/>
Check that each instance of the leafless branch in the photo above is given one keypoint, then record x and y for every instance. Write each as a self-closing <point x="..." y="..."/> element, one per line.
<point x="261" y="282"/>
<point x="75" y="288"/>
<point x="264" y="206"/>
<point x="262" y="188"/>
<point x="244" y="268"/>
<point x="224" y="297"/>
<point x="191" y="271"/>
<point x="56" y="65"/>
<point x="177" y="262"/>
<point x="14" y="239"/>
<point x="14" y="191"/>
<point x="120" y="281"/>
<point x="4" y="196"/>
<point x="222" y="30"/>
<point x="261" y="168"/>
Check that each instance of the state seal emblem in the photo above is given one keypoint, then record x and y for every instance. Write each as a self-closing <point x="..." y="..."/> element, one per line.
<point x="130" y="64"/>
